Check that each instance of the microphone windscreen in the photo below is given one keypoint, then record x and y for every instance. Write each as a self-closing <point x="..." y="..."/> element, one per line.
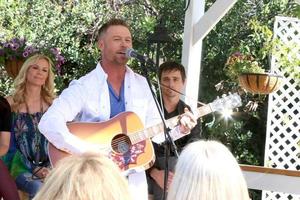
<point x="129" y="52"/>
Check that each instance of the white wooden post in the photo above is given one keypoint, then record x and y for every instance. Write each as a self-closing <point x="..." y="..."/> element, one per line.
<point x="196" y="26"/>
<point x="191" y="53"/>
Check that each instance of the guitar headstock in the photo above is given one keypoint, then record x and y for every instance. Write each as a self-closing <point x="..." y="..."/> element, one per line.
<point x="228" y="102"/>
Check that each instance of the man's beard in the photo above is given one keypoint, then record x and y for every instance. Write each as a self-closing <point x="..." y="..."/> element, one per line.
<point x="120" y="61"/>
<point x="169" y="93"/>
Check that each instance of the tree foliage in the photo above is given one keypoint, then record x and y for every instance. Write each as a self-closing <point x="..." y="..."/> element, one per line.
<point x="246" y="134"/>
<point x="72" y="26"/>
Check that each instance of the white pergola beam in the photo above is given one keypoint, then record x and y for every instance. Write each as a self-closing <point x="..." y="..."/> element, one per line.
<point x="211" y="18"/>
<point x="197" y="25"/>
<point x="191" y="53"/>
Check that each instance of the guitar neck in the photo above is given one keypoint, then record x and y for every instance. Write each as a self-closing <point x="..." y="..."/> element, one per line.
<point x="159" y="128"/>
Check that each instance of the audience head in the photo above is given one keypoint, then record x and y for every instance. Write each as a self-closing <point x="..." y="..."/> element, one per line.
<point x="86" y="177"/>
<point x="35" y="64"/>
<point x="206" y="170"/>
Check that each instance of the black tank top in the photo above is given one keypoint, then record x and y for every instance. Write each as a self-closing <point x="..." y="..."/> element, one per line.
<point x="5" y="115"/>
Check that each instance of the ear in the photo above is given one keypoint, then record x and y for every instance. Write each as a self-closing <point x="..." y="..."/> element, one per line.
<point x="100" y="44"/>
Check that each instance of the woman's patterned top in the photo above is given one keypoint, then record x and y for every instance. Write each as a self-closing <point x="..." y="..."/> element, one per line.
<point x="29" y="141"/>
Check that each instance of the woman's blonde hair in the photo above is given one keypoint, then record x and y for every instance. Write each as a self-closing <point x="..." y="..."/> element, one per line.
<point x="87" y="177"/>
<point x="206" y="170"/>
<point x="47" y="91"/>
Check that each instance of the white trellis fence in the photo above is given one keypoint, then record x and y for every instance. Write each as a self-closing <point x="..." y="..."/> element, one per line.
<point x="283" y="124"/>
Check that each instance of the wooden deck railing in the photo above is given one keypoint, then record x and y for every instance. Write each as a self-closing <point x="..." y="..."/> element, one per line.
<point x="265" y="178"/>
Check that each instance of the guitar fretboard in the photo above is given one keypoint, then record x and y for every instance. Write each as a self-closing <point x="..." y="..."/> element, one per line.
<point x="159" y="128"/>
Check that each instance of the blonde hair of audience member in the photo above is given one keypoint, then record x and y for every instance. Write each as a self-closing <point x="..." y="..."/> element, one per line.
<point x="47" y="90"/>
<point x="87" y="177"/>
<point x="206" y="170"/>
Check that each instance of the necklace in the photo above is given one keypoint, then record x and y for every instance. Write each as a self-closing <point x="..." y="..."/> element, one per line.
<point x="37" y="136"/>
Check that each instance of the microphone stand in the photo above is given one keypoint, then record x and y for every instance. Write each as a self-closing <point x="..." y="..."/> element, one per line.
<point x="169" y="142"/>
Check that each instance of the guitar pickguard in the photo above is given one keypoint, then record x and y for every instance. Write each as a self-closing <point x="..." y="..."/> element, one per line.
<point x="130" y="157"/>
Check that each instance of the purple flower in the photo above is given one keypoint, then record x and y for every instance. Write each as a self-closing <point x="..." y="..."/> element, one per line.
<point x="25" y="54"/>
<point x="54" y="51"/>
<point x="60" y="58"/>
<point x="29" y="49"/>
<point x="15" y="40"/>
<point x="15" y="46"/>
<point x="22" y="41"/>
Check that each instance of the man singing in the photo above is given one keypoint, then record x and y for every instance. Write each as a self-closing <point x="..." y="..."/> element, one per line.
<point x="111" y="88"/>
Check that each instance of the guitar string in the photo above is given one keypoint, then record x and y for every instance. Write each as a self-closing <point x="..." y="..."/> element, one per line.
<point x="137" y="134"/>
<point x="133" y="135"/>
<point x="190" y="98"/>
<point x="126" y="138"/>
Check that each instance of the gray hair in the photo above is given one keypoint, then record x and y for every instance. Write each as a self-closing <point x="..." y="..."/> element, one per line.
<point x="206" y="170"/>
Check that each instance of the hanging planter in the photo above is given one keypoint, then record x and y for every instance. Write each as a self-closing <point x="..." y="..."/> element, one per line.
<point x="13" y="67"/>
<point x="260" y="83"/>
<point x="14" y="52"/>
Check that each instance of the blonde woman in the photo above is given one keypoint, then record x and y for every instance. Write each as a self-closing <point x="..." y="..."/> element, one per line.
<point x="86" y="177"/>
<point x="33" y="93"/>
<point x="206" y="170"/>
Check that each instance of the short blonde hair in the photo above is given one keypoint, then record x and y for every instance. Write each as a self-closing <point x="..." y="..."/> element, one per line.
<point x="47" y="91"/>
<point x="87" y="177"/>
<point x="111" y="22"/>
<point x="206" y="170"/>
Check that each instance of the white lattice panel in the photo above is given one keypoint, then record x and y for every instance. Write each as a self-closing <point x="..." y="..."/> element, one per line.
<point x="283" y="124"/>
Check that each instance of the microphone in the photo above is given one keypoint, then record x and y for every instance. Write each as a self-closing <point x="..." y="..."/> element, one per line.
<point x="131" y="53"/>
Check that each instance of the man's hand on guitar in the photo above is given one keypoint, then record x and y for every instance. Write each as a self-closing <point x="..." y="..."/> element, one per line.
<point x="187" y="121"/>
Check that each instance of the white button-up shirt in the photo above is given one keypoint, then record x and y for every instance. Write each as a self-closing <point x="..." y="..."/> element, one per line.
<point x="87" y="100"/>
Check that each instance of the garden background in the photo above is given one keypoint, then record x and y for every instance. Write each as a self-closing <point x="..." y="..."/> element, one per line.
<point x="72" y="25"/>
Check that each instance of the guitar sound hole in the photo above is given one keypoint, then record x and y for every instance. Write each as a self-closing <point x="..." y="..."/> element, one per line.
<point x="121" y="144"/>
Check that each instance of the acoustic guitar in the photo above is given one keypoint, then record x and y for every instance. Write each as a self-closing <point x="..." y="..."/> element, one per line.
<point x="124" y="139"/>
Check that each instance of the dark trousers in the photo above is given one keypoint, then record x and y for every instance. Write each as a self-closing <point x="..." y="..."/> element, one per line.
<point x="154" y="189"/>
<point x="8" y="188"/>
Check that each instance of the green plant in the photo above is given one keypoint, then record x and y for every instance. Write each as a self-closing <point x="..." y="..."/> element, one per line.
<point x="287" y="58"/>
<point x="19" y="49"/>
<point x="238" y="63"/>
<point x="250" y="59"/>
<point x="285" y="53"/>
